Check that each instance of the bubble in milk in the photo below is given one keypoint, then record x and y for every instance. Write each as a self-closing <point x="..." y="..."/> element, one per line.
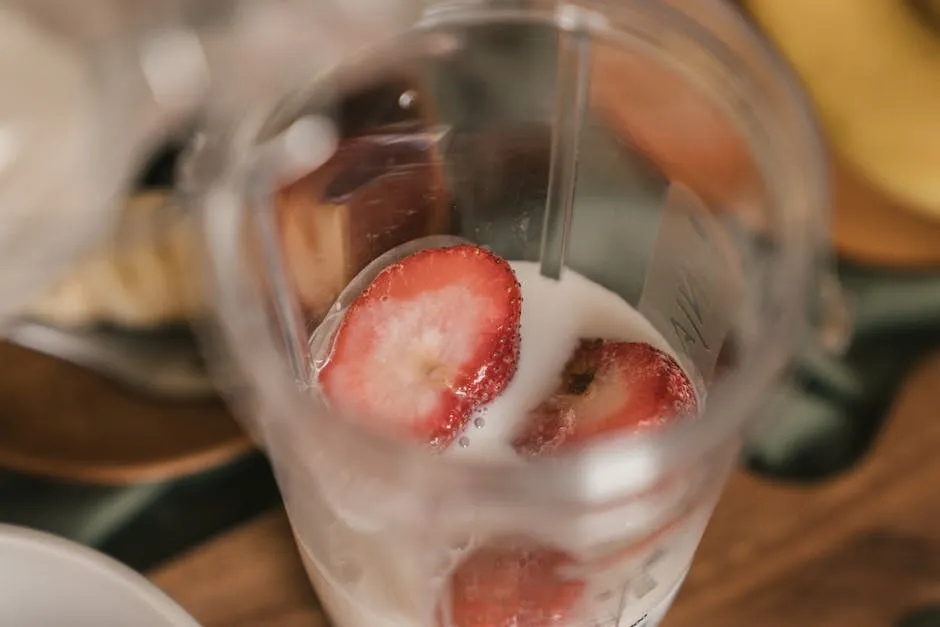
<point x="463" y="442"/>
<point x="479" y="422"/>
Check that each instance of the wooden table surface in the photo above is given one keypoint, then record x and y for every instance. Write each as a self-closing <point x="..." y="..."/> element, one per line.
<point x="862" y="550"/>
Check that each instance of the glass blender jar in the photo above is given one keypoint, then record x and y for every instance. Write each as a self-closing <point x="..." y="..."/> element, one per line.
<point x="655" y="152"/>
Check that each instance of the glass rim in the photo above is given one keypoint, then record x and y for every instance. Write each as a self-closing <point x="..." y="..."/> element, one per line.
<point x="796" y="181"/>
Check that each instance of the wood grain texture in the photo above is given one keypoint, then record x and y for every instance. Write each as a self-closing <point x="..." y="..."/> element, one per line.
<point x="251" y="576"/>
<point x="66" y="422"/>
<point x="861" y="550"/>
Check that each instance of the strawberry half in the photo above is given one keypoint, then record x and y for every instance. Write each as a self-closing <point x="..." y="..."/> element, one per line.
<point x="608" y="386"/>
<point x="433" y="337"/>
<point x="511" y="584"/>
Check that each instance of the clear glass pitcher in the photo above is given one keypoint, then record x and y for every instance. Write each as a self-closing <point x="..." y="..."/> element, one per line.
<point x="638" y="160"/>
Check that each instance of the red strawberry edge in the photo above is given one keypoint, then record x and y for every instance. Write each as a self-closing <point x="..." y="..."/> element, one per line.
<point x="489" y="370"/>
<point x="511" y="582"/>
<point x="643" y="389"/>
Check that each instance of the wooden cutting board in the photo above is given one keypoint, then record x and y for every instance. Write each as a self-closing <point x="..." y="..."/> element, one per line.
<point x="870" y="228"/>
<point x="66" y="422"/>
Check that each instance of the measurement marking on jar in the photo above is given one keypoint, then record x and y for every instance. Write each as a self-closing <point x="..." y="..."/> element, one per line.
<point x="689" y="281"/>
<point x="644" y="585"/>
<point x="639" y="622"/>
<point x="655" y="557"/>
<point x="613" y="617"/>
<point x="688" y="302"/>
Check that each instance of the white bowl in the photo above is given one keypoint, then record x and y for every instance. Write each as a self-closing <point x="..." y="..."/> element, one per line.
<point x="46" y="581"/>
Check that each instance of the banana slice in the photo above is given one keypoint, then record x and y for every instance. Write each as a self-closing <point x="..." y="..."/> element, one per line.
<point x="138" y="280"/>
<point x="873" y="69"/>
<point x="384" y="186"/>
<point x="377" y="192"/>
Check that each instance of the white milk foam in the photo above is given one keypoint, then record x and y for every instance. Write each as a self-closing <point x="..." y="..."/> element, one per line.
<point x="555" y="316"/>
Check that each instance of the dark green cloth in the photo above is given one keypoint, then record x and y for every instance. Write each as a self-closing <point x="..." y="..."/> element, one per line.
<point x="830" y="408"/>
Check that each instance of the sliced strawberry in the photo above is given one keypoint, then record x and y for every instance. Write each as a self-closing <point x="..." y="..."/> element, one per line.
<point x="608" y="386"/>
<point x="434" y="336"/>
<point x="511" y="584"/>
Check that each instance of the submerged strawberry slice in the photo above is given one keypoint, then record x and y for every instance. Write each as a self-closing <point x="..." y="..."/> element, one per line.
<point x="511" y="584"/>
<point x="608" y="386"/>
<point x="434" y="336"/>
